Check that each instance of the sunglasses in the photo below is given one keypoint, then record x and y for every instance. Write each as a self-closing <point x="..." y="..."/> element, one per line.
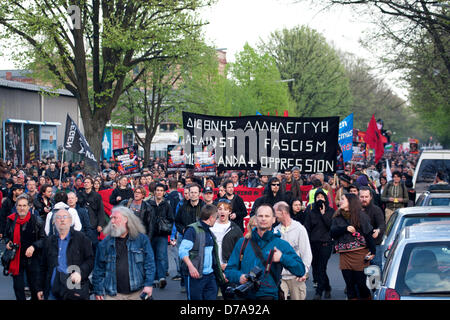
<point x="224" y="200"/>
<point x="275" y="185"/>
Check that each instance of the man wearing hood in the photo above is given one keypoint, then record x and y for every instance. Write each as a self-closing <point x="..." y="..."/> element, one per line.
<point x="61" y="203"/>
<point x="318" y="223"/>
<point x="272" y="195"/>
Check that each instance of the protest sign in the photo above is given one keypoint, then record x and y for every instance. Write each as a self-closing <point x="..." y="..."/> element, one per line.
<point x="266" y="143"/>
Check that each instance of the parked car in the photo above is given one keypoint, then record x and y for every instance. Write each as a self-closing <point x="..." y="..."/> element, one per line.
<point x="417" y="265"/>
<point x="429" y="163"/>
<point x="435" y="197"/>
<point x="405" y="217"/>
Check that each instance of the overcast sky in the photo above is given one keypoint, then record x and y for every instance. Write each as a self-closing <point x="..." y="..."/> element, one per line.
<point x="234" y="22"/>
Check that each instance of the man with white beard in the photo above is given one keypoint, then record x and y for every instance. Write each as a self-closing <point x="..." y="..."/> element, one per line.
<point x="127" y="251"/>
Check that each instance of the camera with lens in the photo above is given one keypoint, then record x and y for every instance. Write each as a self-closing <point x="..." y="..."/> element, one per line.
<point x="8" y="256"/>
<point x="14" y="247"/>
<point x="252" y="285"/>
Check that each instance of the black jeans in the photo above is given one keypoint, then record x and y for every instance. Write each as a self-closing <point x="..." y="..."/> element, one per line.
<point x="321" y="252"/>
<point x="19" y="281"/>
<point x="356" y="283"/>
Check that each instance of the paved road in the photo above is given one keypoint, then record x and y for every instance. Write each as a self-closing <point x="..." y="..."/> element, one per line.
<point x="173" y="292"/>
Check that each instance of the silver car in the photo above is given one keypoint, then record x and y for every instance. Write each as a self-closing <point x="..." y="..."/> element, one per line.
<point x="434" y="198"/>
<point x="405" y="217"/>
<point x="417" y="266"/>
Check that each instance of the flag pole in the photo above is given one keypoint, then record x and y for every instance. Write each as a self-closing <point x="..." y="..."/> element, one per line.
<point x="62" y="164"/>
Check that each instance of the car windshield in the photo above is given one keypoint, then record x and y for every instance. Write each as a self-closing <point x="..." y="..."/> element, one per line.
<point x="429" y="167"/>
<point x="408" y="221"/>
<point x="439" y="202"/>
<point x="390" y="223"/>
<point x="425" y="269"/>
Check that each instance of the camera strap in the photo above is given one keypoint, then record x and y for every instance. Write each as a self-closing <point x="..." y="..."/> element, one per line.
<point x="257" y="250"/>
<point x="241" y="252"/>
<point x="267" y="264"/>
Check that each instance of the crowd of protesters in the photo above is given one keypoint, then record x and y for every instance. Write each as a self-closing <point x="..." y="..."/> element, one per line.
<point x="56" y="192"/>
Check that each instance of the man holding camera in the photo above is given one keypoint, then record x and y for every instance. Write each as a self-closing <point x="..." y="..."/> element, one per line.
<point x="266" y="250"/>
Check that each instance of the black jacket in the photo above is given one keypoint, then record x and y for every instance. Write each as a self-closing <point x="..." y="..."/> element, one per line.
<point x="93" y="202"/>
<point x="234" y="233"/>
<point x="173" y="198"/>
<point x="239" y="208"/>
<point x="146" y="214"/>
<point x="187" y="214"/>
<point x="52" y="174"/>
<point x="268" y="197"/>
<point x="163" y="210"/>
<point x="39" y="205"/>
<point x="340" y="233"/>
<point x="35" y="236"/>
<point x="6" y="210"/>
<point x="376" y="217"/>
<point x="79" y="253"/>
<point x="318" y="224"/>
<point x="125" y="194"/>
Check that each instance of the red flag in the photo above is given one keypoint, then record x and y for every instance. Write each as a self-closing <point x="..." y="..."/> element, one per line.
<point x="373" y="138"/>
<point x="285" y="113"/>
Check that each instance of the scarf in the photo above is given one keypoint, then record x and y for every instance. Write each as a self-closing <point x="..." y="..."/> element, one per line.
<point x="15" y="263"/>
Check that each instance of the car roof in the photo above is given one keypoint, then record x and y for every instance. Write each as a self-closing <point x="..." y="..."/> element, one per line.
<point x="429" y="231"/>
<point x="424" y="210"/>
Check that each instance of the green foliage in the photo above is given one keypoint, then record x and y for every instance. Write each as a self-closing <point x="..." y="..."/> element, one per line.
<point x="320" y="86"/>
<point x="95" y="60"/>
<point x="257" y="84"/>
<point x="205" y="88"/>
<point x="429" y="89"/>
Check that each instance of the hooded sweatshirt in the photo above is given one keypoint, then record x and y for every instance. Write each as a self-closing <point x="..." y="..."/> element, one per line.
<point x="297" y="236"/>
<point x="318" y="224"/>
<point x="76" y="223"/>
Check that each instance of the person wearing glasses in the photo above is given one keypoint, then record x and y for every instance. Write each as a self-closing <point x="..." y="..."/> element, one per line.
<point x="142" y="209"/>
<point x="27" y="231"/>
<point x="239" y="211"/>
<point x="67" y="254"/>
<point x="272" y="195"/>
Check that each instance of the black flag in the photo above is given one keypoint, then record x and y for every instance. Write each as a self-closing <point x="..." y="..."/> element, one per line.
<point x="75" y="142"/>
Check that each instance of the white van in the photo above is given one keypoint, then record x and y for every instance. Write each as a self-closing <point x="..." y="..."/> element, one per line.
<point x="430" y="162"/>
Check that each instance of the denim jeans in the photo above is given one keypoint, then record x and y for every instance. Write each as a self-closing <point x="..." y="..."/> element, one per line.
<point x="204" y="288"/>
<point x="159" y="245"/>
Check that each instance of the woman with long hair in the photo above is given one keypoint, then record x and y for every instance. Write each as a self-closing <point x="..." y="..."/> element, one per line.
<point x="297" y="210"/>
<point x="351" y="230"/>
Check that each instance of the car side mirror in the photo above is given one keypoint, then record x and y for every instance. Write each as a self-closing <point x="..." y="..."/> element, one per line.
<point x="373" y="280"/>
